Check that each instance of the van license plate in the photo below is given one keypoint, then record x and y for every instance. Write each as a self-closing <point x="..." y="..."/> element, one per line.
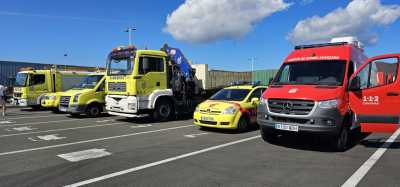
<point x="293" y="128"/>
<point x="63" y="109"/>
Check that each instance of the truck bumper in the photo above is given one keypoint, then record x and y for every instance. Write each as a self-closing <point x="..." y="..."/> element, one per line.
<point x="77" y="109"/>
<point x="320" y="122"/>
<point x="121" y="105"/>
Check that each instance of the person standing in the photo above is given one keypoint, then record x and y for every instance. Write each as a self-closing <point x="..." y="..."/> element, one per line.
<point x="3" y="100"/>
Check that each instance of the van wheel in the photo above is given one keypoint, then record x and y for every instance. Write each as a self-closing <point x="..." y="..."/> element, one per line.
<point x="268" y="135"/>
<point x="163" y="110"/>
<point x="93" y="110"/>
<point x="340" y="142"/>
<point x="243" y="124"/>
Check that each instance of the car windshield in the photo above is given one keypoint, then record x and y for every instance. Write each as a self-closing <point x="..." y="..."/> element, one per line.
<point x="21" y="78"/>
<point x="329" y="73"/>
<point x="121" y="62"/>
<point x="231" y="94"/>
<point x="89" y="82"/>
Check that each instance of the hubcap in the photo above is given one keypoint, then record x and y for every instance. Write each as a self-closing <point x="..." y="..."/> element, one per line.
<point x="165" y="110"/>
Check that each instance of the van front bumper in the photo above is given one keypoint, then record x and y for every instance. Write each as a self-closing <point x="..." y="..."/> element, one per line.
<point x="77" y="109"/>
<point x="321" y="121"/>
<point x="20" y="102"/>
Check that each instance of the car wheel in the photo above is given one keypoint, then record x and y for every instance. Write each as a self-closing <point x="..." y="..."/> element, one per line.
<point x="340" y="142"/>
<point x="163" y="111"/>
<point x="243" y="124"/>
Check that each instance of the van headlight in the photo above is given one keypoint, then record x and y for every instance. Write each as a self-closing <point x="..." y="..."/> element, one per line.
<point x="334" y="103"/>
<point x="230" y="110"/>
<point x="51" y="97"/>
<point x="76" y="98"/>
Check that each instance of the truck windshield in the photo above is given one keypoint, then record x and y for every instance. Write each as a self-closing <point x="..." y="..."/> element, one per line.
<point x="89" y="82"/>
<point x="329" y="73"/>
<point x="21" y="79"/>
<point x="231" y="95"/>
<point x="120" y="66"/>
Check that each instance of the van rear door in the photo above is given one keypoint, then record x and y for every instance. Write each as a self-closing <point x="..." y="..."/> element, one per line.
<point x="375" y="94"/>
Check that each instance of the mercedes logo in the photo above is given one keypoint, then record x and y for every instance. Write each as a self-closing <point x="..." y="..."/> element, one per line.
<point x="288" y="106"/>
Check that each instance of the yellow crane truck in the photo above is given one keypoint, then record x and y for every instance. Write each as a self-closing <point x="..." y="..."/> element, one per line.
<point x="32" y="85"/>
<point x="161" y="83"/>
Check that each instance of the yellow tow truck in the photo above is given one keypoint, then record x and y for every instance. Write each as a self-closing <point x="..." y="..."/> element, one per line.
<point x="86" y="98"/>
<point x="234" y="107"/>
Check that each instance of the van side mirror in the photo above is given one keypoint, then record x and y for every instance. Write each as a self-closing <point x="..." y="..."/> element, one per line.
<point x="355" y="84"/>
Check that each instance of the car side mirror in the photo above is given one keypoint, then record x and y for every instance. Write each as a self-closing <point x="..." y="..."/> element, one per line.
<point x="255" y="100"/>
<point x="355" y="84"/>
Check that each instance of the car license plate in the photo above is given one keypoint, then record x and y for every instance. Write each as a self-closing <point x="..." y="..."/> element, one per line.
<point x="293" y="128"/>
<point x="204" y="118"/>
<point x="63" y="109"/>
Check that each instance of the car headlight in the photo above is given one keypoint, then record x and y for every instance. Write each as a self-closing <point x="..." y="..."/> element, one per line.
<point x="52" y="97"/>
<point x="76" y="97"/>
<point x="230" y="110"/>
<point x="334" y="103"/>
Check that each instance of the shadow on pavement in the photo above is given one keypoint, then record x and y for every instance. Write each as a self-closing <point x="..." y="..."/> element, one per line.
<point x="315" y="143"/>
<point x="379" y="142"/>
<point x="251" y="128"/>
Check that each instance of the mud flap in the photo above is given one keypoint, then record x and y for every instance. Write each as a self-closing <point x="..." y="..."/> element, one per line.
<point x="379" y="127"/>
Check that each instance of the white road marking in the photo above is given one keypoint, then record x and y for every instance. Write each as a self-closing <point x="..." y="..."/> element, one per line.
<point x="104" y="121"/>
<point x="92" y="140"/>
<point x="123" y="172"/>
<point x="140" y="126"/>
<point x="363" y="170"/>
<point x="6" y="122"/>
<point x="57" y="130"/>
<point x="30" y="117"/>
<point x="84" y="155"/>
<point x="21" y="129"/>
<point x="49" y="137"/>
<point x="42" y="122"/>
<point x="195" y="135"/>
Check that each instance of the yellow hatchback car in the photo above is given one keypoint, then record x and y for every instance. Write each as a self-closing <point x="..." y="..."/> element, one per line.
<point x="233" y="107"/>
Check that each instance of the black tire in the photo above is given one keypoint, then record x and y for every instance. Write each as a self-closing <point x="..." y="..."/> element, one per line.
<point x="268" y="135"/>
<point x="163" y="110"/>
<point x="243" y="124"/>
<point x="341" y="141"/>
<point x="93" y="110"/>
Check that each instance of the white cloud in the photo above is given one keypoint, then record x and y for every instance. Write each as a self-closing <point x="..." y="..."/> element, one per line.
<point x="360" y="18"/>
<point x="201" y="21"/>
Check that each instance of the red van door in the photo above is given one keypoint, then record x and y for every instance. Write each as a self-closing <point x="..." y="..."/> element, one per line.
<point x="375" y="94"/>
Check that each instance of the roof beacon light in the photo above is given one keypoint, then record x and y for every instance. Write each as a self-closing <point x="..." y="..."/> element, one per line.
<point x="348" y="39"/>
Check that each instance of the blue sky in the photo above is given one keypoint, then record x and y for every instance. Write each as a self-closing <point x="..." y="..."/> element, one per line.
<point x="43" y="31"/>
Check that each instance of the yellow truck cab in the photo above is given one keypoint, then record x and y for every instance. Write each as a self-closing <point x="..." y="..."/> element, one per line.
<point x="51" y="101"/>
<point x="31" y="86"/>
<point x="233" y="107"/>
<point x="88" y="97"/>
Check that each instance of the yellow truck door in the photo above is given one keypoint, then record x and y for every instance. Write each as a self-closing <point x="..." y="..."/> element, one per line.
<point x="152" y="74"/>
<point x="37" y="87"/>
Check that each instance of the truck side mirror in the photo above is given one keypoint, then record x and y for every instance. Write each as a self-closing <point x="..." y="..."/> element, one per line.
<point x="355" y="84"/>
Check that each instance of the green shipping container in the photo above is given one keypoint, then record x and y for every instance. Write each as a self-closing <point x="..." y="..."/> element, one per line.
<point x="263" y="75"/>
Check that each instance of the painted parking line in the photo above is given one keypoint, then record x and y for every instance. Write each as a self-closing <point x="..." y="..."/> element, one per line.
<point x="19" y="129"/>
<point x="171" y="159"/>
<point x="195" y="135"/>
<point x="90" y="141"/>
<point x="58" y="130"/>
<point x="32" y="117"/>
<point x="363" y="170"/>
<point x="84" y="155"/>
<point x="43" y="122"/>
<point x="49" y="137"/>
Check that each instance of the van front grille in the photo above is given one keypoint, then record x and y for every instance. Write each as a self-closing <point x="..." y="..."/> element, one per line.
<point x="290" y="106"/>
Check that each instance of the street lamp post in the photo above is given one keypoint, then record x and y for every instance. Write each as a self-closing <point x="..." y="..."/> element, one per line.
<point x="129" y="31"/>
<point x="252" y="60"/>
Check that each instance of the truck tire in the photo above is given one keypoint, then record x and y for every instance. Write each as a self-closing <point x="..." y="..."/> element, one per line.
<point x="243" y="124"/>
<point x="269" y="136"/>
<point x="163" y="110"/>
<point x="93" y="110"/>
<point x="340" y="142"/>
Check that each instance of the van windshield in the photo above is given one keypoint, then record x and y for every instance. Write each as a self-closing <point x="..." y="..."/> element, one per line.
<point x="329" y="73"/>
<point x="89" y="82"/>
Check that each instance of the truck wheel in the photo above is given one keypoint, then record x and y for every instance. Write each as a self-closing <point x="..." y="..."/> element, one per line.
<point x="340" y="142"/>
<point x="93" y="110"/>
<point x="268" y="135"/>
<point x="243" y="124"/>
<point x="163" y="110"/>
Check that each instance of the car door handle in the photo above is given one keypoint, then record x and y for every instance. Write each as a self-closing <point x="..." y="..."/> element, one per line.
<point x="392" y="94"/>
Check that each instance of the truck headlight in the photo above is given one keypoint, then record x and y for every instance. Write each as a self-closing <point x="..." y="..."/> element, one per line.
<point x="230" y="110"/>
<point x="334" y="103"/>
<point x="51" y="97"/>
<point x="132" y="106"/>
<point x="76" y="97"/>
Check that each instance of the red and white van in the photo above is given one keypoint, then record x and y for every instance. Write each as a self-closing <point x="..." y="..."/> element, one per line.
<point x="310" y="93"/>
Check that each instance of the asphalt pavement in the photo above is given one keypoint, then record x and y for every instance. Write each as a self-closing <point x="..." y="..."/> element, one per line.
<point x="40" y="148"/>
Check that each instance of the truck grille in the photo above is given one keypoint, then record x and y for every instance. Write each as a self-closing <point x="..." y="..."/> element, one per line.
<point x="64" y="101"/>
<point x="290" y="107"/>
<point x="117" y="86"/>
